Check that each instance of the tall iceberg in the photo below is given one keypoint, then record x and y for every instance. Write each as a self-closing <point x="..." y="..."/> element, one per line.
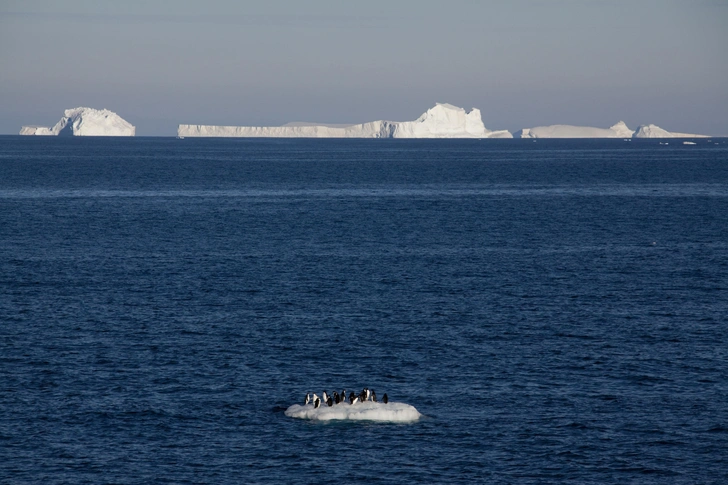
<point x="441" y="121"/>
<point x="85" y="122"/>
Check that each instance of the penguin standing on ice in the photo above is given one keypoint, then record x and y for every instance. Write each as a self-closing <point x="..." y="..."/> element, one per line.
<point x="325" y="397"/>
<point x="316" y="402"/>
<point x="308" y="398"/>
<point x="374" y="396"/>
<point x="369" y="394"/>
<point x="343" y="395"/>
<point x="337" y="399"/>
<point x="385" y="399"/>
<point x="329" y="402"/>
<point x="352" y="398"/>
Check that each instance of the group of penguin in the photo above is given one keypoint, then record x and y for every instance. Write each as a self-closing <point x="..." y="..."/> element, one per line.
<point x="365" y="395"/>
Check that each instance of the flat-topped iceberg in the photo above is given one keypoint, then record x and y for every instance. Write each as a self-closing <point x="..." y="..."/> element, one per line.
<point x="85" y="122"/>
<point x="442" y="121"/>
<point x="654" y="131"/>
<point x="619" y="130"/>
<point x="397" y="412"/>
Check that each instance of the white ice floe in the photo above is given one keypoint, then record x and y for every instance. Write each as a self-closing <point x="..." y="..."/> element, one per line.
<point x="441" y="121"/>
<point x="85" y="122"/>
<point x="397" y="412"/>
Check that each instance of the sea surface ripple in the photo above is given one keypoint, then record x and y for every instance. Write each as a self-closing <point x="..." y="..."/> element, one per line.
<point x="557" y="310"/>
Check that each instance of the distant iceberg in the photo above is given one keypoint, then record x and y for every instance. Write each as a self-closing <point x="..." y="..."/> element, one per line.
<point x="442" y="121"/>
<point x="619" y="130"/>
<point x="654" y="131"/>
<point x="85" y="122"/>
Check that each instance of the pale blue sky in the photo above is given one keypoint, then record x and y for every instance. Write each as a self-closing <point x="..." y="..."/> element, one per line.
<point x="522" y="62"/>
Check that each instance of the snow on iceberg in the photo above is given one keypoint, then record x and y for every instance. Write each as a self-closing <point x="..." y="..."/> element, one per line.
<point x="654" y="131"/>
<point x="85" y="122"/>
<point x="397" y="412"/>
<point x="619" y="130"/>
<point x="442" y="121"/>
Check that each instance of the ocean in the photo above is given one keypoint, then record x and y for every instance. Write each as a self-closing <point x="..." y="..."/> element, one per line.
<point x="556" y="310"/>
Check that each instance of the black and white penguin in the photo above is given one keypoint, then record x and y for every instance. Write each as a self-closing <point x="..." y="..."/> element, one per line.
<point x="369" y="394"/>
<point x="316" y="403"/>
<point x="308" y="399"/>
<point x="343" y="395"/>
<point x="329" y="402"/>
<point x="352" y="398"/>
<point x="325" y="397"/>
<point x="374" y="396"/>
<point x="363" y="395"/>
<point x="337" y="399"/>
<point x="385" y="399"/>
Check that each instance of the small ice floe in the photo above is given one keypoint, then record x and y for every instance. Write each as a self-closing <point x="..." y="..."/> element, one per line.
<point x="362" y="407"/>
<point x="689" y="143"/>
<point x="395" y="412"/>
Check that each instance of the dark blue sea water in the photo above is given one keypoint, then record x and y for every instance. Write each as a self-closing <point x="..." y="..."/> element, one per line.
<point x="557" y="310"/>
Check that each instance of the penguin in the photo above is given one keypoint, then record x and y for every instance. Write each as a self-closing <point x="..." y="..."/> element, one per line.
<point x="329" y="402"/>
<point x="363" y="395"/>
<point x="316" y="403"/>
<point x="385" y="399"/>
<point x="374" y="396"/>
<point x="337" y="399"/>
<point x="325" y="397"/>
<point x="369" y="393"/>
<point x="352" y="398"/>
<point x="308" y="399"/>
<point x="343" y="395"/>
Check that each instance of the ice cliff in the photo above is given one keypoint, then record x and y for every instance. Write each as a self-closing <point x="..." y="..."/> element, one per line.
<point x="442" y="121"/>
<point x="618" y="130"/>
<point x="85" y="122"/>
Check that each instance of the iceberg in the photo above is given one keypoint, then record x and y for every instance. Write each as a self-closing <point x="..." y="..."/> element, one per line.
<point x="441" y="121"/>
<point x="393" y="412"/>
<point x="654" y="131"/>
<point x="85" y="122"/>
<point x="619" y="130"/>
